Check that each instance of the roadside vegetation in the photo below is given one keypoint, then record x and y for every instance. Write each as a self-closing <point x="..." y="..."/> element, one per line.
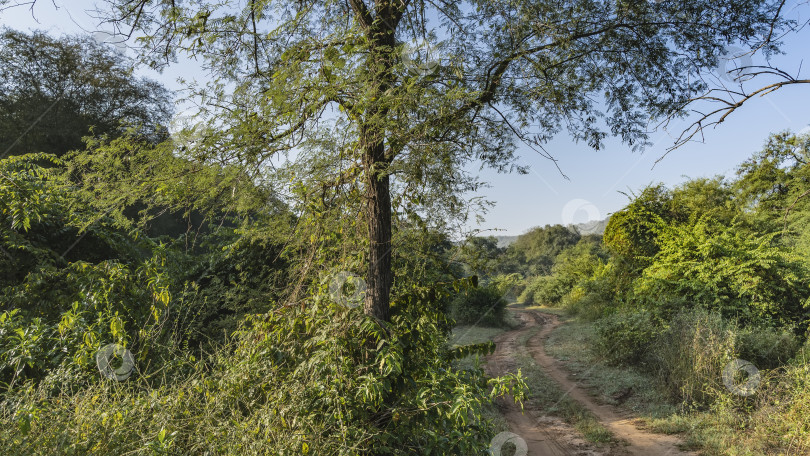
<point x="693" y="308"/>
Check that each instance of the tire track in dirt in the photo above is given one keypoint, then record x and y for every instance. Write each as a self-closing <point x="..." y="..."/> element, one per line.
<point x="546" y="436"/>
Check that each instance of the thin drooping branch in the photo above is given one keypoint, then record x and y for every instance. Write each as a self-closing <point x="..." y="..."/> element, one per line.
<point x="729" y="101"/>
<point x="255" y="36"/>
<point x="773" y="22"/>
<point x="533" y="145"/>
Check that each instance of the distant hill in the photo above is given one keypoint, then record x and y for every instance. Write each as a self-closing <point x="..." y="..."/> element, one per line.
<point x="504" y="241"/>
<point x="591" y="227"/>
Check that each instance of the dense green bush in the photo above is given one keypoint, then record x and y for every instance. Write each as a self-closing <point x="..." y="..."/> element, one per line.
<point x="537" y="289"/>
<point x="594" y="296"/>
<point x="484" y="306"/>
<point x="74" y="279"/>
<point x="510" y="286"/>
<point x="94" y="305"/>
<point x="626" y="337"/>
<point x="587" y="305"/>
<point x="745" y="276"/>
<point x="767" y="348"/>
<point x="313" y="379"/>
<point x="572" y="266"/>
<point x="631" y="234"/>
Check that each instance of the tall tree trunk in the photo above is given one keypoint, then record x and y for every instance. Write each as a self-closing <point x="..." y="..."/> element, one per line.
<point x="380" y="277"/>
<point x="378" y="214"/>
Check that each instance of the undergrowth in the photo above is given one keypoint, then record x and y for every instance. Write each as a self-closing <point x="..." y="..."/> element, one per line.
<point x="318" y="379"/>
<point x="681" y="389"/>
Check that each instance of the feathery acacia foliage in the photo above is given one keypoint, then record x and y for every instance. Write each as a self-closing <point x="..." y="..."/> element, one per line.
<point x="324" y="89"/>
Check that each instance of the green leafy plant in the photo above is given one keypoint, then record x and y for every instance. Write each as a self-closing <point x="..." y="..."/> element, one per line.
<point x="483" y="306"/>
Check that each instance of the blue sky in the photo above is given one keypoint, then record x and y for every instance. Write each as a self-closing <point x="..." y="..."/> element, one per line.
<point x="596" y="179"/>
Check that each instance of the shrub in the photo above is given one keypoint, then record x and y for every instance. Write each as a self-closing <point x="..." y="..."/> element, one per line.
<point x="539" y="291"/>
<point x="61" y="317"/>
<point x="690" y="355"/>
<point x="767" y="348"/>
<point x="626" y="337"/>
<point x="586" y="305"/>
<point x="483" y="306"/>
<point x="595" y="296"/>
<point x="316" y="379"/>
<point x="745" y="276"/>
<point x="572" y="266"/>
<point x="508" y="285"/>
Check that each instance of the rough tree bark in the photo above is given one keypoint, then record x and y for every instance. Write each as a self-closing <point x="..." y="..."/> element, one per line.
<point x="378" y="195"/>
<point x="381" y="28"/>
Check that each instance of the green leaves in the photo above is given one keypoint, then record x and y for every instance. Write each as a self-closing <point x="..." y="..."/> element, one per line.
<point x="464" y="351"/>
<point x="720" y="245"/>
<point x="25" y="193"/>
<point x="741" y="274"/>
<point x="53" y="91"/>
<point x="391" y="386"/>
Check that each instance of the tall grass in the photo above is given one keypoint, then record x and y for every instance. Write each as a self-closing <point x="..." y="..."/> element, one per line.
<point x="689" y="357"/>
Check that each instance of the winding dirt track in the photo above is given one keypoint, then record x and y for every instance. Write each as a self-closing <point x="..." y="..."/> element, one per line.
<point x="547" y="436"/>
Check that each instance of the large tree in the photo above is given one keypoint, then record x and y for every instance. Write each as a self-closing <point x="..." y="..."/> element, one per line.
<point x="53" y="91"/>
<point x="387" y="100"/>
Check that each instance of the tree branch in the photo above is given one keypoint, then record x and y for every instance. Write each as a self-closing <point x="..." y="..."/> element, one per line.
<point x="362" y="13"/>
<point x="790" y="208"/>
<point x="734" y="100"/>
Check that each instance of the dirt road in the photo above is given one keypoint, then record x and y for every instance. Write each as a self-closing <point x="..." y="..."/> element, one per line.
<point x="548" y="436"/>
